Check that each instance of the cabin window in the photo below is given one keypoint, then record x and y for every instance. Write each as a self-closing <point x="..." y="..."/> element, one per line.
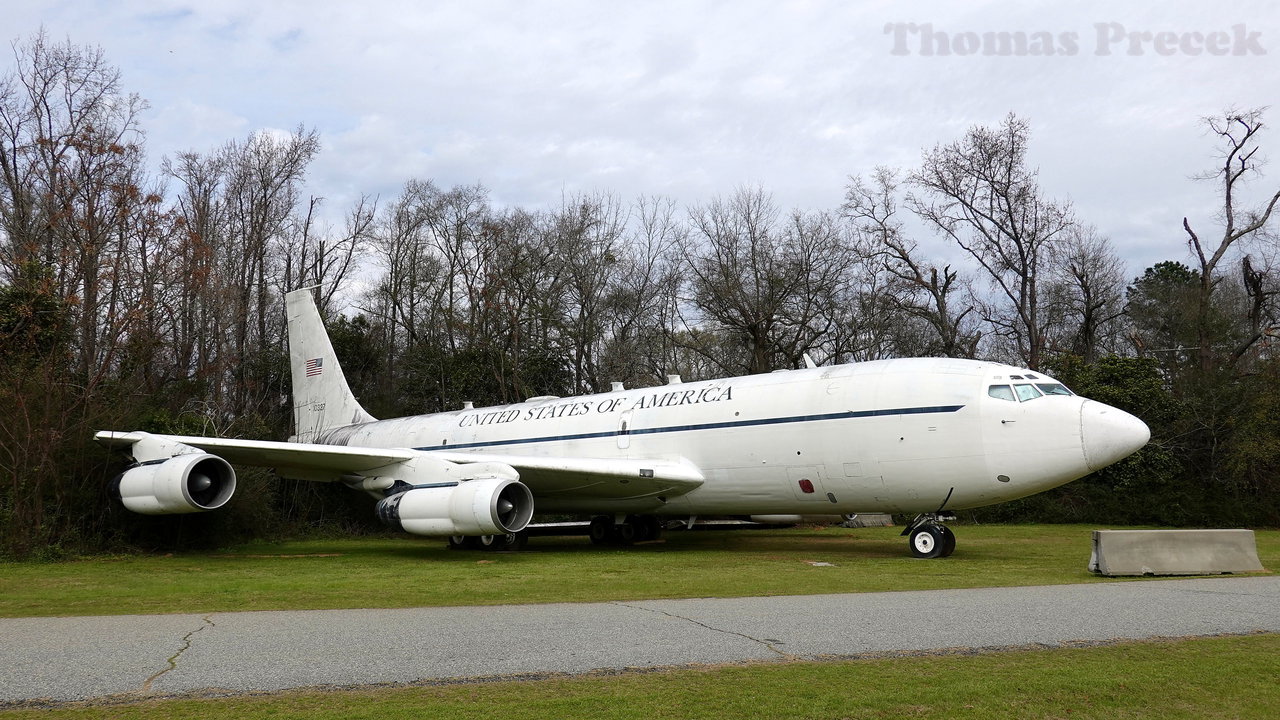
<point x="1053" y="389"/>
<point x="1026" y="392"/>
<point x="1004" y="392"/>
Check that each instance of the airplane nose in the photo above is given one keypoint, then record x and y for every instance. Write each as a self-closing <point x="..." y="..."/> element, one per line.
<point x="1109" y="434"/>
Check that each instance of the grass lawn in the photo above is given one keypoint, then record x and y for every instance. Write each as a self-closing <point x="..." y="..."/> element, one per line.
<point x="415" y="572"/>
<point x="1225" y="677"/>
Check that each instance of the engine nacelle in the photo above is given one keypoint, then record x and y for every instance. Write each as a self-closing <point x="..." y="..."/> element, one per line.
<point x="485" y="506"/>
<point x="189" y="483"/>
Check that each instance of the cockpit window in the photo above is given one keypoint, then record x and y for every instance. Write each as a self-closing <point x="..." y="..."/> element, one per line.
<point x="1004" y="392"/>
<point x="1053" y="389"/>
<point x="1032" y="377"/>
<point x="1026" y="392"/>
<point x="1015" y="377"/>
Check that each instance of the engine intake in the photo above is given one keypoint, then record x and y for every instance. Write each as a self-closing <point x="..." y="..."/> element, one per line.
<point x="487" y="506"/>
<point x="189" y="483"/>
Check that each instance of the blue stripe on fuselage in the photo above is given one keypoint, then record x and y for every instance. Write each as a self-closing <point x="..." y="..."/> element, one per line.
<point x="705" y="426"/>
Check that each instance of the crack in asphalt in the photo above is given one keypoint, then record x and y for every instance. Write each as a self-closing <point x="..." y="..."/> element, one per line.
<point x="768" y="643"/>
<point x="173" y="659"/>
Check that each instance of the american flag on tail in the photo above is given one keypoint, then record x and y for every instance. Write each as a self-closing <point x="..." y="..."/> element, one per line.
<point x="315" y="366"/>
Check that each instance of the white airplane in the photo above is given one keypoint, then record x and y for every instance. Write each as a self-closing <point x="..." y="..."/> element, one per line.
<point x="927" y="436"/>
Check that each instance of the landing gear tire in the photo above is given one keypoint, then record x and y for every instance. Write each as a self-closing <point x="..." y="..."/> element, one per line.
<point x="624" y="534"/>
<point x="491" y="543"/>
<point x="948" y="541"/>
<point x="636" y="528"/>
<point x="929" y="538"/>
<point x="648" y="527"/>
<point x="930" y="541"/>
<point x="601" y="530"/>
<point x="463" y="542"/>
<point x="511" y="541"/>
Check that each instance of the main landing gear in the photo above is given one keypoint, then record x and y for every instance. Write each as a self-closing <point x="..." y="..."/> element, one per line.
<point x="608" y="530"/>
<point x="507" y="541"/>
<point x="929" y="538"/>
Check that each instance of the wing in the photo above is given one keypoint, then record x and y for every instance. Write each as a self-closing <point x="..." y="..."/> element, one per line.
<point x="605" y="478"/>
<point x="293" y="460"/>
<point x="612" y="478"/>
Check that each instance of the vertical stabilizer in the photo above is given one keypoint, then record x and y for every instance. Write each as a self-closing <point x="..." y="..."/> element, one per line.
<point x="321" y="397"/>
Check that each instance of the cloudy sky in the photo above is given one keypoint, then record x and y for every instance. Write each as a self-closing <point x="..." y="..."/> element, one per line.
<point x="691" y="100"/>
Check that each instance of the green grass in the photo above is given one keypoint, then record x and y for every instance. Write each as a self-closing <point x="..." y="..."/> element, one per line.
<point x="417" y="572"/>
<point x="1224" y="677"/>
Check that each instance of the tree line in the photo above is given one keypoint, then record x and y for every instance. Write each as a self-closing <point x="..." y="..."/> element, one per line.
<point x="131" y="299"/>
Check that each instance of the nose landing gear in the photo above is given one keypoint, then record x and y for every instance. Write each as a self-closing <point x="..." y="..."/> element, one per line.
<point x="929" y="538"/>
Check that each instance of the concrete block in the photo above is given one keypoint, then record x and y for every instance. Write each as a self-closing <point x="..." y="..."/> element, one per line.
<point x="1174" y="552"/>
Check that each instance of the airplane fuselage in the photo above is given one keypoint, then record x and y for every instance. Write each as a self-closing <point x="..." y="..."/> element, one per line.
<point x="897" y="436"/>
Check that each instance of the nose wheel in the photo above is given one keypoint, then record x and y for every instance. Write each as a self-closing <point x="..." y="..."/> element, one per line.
<point x="932" y="540"/>
<point x="929" y="538"/>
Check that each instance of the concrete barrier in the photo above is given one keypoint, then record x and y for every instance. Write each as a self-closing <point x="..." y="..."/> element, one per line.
<point x="1174" y="552"/>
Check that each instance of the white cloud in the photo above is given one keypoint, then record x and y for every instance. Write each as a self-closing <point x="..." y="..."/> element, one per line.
<point x="692" y="100"/>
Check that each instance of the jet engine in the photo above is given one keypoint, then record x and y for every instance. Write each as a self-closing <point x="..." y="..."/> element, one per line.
<point x="483" y="506"/>
<point x="189" y="483"/>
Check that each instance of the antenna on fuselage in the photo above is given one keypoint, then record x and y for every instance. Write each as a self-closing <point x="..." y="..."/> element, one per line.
<point x="808" y="362"/>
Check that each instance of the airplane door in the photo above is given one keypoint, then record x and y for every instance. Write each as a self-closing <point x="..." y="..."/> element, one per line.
<point x="624" y="430"/>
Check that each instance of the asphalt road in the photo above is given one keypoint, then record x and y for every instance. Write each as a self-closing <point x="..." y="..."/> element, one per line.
<point x="62" y="659"/>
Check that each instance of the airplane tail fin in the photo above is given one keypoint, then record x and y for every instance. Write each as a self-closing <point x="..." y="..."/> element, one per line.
<point x="321" y="397"/>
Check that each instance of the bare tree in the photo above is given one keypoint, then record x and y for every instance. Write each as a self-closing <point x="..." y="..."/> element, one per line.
<point x="263" y="177"/>
<point x="1262" y="287"/>
<point x="920" y="289"/>
<point x="642" y="308"/>
<point x="313" y="254"/>
<point x="767" y="284"/>
<point x="205" y="236"/>
<point x="71" y="166"/>
<point x="979" y="192"/>
<point x="1237" y="134"/>
<point x="81" y="232"/>
<point x="1088" y="280"/>
<point x="411" y="273"/>
<point x="589" y="231"/>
